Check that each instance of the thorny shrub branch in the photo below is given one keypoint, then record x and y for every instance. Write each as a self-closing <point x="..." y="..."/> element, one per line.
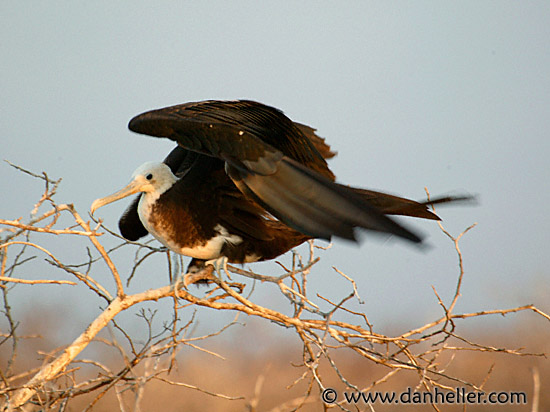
<point x="322" y="333"/>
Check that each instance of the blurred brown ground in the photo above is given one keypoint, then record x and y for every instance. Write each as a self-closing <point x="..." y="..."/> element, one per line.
<point x="272" y="359"/>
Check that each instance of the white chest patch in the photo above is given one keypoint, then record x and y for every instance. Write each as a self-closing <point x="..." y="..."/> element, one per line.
<point x="210" y="250"/>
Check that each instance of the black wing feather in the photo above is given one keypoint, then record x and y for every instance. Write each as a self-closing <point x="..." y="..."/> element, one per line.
<point x="129" y="224"/>
<point x="233" y="131"/>
<point x="314" y="205"/>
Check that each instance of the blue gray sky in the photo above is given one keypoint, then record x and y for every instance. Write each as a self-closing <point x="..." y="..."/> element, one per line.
<point x="454" y="96"/>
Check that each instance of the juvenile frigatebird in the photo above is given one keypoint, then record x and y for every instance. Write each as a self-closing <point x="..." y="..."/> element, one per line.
<point x="247" y="184"/>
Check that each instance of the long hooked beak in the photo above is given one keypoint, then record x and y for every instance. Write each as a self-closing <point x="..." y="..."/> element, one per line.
<point x="133" y="187"/>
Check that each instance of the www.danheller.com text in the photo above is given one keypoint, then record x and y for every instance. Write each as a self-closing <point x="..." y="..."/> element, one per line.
<point x="459" y="396"/>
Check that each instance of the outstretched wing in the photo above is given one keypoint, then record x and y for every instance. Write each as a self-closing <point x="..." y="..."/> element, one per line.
<point x="272" y="161"/>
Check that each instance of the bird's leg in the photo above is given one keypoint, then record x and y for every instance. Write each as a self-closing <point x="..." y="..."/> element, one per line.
<point x="218" y="264"/>
<point x="178" y="273"/>
<point x="198" y="272"/>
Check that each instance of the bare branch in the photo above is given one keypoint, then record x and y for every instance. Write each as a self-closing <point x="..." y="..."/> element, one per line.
<point x="36" y="282"/>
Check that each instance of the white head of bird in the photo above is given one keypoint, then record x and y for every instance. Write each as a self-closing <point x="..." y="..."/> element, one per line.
<point x="151" y="178"/>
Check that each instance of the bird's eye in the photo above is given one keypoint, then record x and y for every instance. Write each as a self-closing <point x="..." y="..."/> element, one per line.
<point x="149" y="176"/>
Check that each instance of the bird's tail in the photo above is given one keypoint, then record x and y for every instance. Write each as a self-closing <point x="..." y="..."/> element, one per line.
<point x="395" y="205"/>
